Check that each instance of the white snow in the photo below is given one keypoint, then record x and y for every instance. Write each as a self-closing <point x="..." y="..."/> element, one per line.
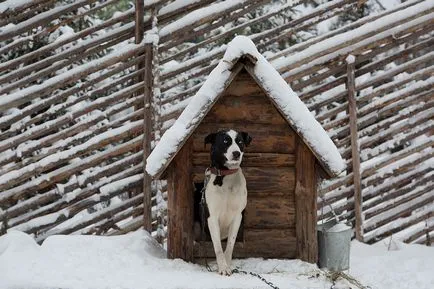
<point x="135" y="260"/>
<point x="295" y="111"/>
<point x="13" y="4"/>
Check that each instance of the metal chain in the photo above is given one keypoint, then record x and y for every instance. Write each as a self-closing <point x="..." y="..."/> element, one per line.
<point x="256" y="275"/>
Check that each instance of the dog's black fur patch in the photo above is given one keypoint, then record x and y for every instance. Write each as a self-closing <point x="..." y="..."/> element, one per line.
<point x="220" y="142"/>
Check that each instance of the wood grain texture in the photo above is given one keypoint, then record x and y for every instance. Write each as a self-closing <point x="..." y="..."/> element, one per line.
<point x="271" y="243"/>
<point x="180" y="206"/>
<point x="202" y="159"/>
<point x="265" y="138"/>
<point x="261" y="180"/>
<point x="244" y="109"/>
<point x="355" y="156"/>
<point x="269" y="212"/>
<point x="305" y="202"/>
<point x="244" y="85"/>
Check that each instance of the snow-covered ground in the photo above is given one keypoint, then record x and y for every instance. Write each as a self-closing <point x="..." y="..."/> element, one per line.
<point x="137" y="261"/>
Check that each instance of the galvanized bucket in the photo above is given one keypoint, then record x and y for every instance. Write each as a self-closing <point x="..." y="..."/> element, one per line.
<point x="334" y="241"/>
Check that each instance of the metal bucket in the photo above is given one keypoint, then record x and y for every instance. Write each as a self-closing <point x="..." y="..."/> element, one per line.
<point x="334" y="241"/>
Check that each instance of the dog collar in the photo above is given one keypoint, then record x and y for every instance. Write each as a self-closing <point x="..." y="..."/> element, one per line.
<point x="219" y="173"/>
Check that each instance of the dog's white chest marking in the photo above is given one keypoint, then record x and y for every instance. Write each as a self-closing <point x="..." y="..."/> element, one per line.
<point x="226" y="201"/>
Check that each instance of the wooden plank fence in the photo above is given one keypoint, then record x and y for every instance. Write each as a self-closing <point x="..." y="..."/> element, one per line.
<point x="79" y="114"/>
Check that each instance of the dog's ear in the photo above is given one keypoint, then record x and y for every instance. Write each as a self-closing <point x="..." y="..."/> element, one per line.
<point x="210" y="138"/>
<point x="246" y="138"/>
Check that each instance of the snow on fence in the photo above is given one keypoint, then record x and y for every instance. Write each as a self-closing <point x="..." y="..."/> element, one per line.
<point x="75" y="125"/>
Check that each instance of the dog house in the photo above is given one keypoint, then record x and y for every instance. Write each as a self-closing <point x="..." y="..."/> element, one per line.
<point x="289" y="152"/>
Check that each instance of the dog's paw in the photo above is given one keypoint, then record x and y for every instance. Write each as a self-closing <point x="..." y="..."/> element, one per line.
<point x="225" y="270"/>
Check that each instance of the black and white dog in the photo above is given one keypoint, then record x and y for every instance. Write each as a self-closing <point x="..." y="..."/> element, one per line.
<point x="226" y="192"/>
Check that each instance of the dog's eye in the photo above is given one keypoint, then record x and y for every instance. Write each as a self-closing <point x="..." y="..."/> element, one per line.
<point x="225" y="141"/>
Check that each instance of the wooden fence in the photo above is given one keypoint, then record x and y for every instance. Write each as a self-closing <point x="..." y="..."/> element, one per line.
<point x="79" y="114"/>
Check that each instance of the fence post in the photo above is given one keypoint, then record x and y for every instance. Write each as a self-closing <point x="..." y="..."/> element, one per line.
<point x="147" y="123"/>
<point x="355" y="157"/>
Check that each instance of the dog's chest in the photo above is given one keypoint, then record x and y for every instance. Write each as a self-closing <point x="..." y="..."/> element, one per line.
<point x="229" y="199"/>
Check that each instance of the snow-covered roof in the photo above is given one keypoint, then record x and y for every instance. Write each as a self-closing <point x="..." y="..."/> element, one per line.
<point x="276" y="88"/>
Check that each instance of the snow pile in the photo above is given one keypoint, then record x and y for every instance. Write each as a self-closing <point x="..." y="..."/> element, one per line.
<point x="137" y="261"/>
<point x="295" y="111"/>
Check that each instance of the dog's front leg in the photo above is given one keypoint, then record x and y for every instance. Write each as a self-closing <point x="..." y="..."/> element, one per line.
<point x="232" y="236"/>
<point x="214" y="230"/>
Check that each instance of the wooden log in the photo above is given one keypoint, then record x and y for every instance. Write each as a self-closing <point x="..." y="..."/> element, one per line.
<point x="184" y="34"/>
<point x="45" y="70"/>
<point x="60" y="97"/>
<point x="375" y="180"/>
<point x="51" y="126"/>
<point x="384" y="89"/>
<point x="99" y="215"/>
<point x="397" y="156"/>
<point x="404" y="177"/>
<point x="266" y="138"/>
<point x="405" y="223"/>
<point x="425" y="231"/>
<point x="256" y="109"/>
<point x="104" y="226"/>
<point x="147" y="129"/>
<point x="261" y="180"/>
<point x="42" y="19"/>
<point x="72" y="209"/>
<point x="29" y="57"/>
<point x="273" y="212"/>
<point x="349" y="27"/>
<point x="368" y="116"/>
<point x="68" y="78"/>
<point x="362" y="39"/>
<point x="271" y="243"/>
<point x="181" y="79"/>
<point x="390" y="118"/>
<point x="25" y="14"/>
<point x="229" y="32"/>
<point x="379" y="79"/>
<point x="202" y="159"/>
<point x="180" y="206"/>
<point x="320" y="13"/>
<point x="404" y="189"/>
<point x="21" y="6"/>
<point x="51" y="147"/>
<point x="393" y="137"/>
<point x="355" y="156"/>
<point x="416" y="194"/>
<point x="91" y="186"/>
<point x="337" y="66"/>
<point x="56" y="176"/>
<point x="305" y="204"/>
<point x="45" y="165"/>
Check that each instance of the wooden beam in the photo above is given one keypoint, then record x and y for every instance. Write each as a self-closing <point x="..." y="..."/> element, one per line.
<point x="147" y="135"/>
<point x="352" y="107"/>
<point x="180" y="206"/>
<point x="305" y="204"/>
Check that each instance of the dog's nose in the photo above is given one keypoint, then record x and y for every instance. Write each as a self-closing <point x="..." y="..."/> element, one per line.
<point x="236" y="155"/>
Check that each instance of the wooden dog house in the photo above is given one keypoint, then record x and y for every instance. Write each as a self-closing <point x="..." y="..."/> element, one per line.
<point x="289" y="151"/>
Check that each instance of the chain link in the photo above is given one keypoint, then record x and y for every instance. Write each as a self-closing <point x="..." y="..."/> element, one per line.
<point x="256" y="275"/>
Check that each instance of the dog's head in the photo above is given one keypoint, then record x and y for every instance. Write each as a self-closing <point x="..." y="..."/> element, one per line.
<point x="227" y="148"/>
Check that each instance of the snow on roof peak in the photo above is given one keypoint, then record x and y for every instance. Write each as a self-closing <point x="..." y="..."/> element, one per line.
<point x="286" y="100"/>
<point x="238" y="47"/>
